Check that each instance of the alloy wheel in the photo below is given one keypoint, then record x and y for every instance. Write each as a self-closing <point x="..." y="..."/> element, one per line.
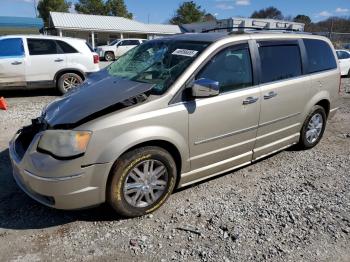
<point x="145" y="183"/>
<point x="314" y="128"/>
<point x="70" y="82"/>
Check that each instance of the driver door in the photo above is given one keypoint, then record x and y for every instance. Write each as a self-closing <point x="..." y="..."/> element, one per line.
<point x="223" y="129"/>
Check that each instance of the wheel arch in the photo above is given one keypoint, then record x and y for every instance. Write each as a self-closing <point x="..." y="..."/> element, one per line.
<point x="326" y="105"/>
<point x="322" y="99"/>
<point x="164" y="144"/>
<point x="69" y="70"/>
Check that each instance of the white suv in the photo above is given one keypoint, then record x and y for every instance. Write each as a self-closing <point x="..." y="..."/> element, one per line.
<point x="45" y="61"/>
<point x="117" y="48"/>
<point x="344" y="61"/>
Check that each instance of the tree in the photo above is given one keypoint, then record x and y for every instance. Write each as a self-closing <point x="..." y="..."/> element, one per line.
<point x="209" y="17"/>
<point x="118" y="8"/>
<point x="305" y="20"/>
<point x="46" y="6"/>
<point x="188" y="12"/>
<point x="91" y="7"/>
<point x="270" y="12"/>
<point x="302" y="19"/>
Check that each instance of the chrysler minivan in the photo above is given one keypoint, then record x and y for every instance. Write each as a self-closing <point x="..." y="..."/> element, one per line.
<point x="175" y="111"/>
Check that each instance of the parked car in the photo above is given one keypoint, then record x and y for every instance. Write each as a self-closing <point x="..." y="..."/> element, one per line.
<point x="32" y="61"/>
<point x="344" y="61"/>
<point x="117" y="48"/>
<point x="176" y="111"/>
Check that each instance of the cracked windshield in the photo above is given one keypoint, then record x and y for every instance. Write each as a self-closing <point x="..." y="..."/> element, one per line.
<point x="158" y="62"/>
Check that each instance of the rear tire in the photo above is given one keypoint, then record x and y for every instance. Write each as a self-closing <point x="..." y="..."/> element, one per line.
<point x="68" y="81"/>
<point x="109" y="56"/>
<point x="313" y="128"/>
<point x="141" y="181"/>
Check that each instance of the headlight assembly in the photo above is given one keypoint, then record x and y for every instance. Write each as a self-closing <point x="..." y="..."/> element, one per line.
<point x="64" y="143"/>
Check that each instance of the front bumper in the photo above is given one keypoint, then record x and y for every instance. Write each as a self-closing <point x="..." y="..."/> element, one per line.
<point x="58" y="184"/>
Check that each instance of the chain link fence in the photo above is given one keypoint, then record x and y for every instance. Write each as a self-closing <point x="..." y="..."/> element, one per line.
<point x="339" y="40"/>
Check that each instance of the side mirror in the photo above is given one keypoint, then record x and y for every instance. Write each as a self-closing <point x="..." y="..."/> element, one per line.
<point x="205" y="88"/>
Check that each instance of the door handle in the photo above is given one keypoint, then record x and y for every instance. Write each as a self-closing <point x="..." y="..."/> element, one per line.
<point x="16" y="63"/>
<point x="270" y="95"/>
<point x="59" y="60"/>
<point x="250" y="100"/>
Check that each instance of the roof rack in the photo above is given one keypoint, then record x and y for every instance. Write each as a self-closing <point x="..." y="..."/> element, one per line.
<point x="241" y="29"/>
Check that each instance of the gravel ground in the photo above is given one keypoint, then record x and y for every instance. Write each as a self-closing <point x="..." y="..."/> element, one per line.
<point x="292" y="206"/>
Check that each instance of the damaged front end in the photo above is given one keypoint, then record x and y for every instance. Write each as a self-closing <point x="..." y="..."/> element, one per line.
<point x="99" y="95"/>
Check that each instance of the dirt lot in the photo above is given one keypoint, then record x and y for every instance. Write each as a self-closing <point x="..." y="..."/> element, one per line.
<point x="293" y="206"/>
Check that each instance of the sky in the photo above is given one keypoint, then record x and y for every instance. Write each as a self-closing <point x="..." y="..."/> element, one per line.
<point x="159" y="11"/>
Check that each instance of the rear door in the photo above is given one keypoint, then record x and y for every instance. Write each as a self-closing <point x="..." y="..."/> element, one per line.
<point x="284" y="91"/>
<point x="45" y="60"/>
<point x="12" y="62"/>
<point x="74" y="58"/>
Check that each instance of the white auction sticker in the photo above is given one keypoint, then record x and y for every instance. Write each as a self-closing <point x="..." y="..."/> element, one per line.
<point x="185" y="52"/>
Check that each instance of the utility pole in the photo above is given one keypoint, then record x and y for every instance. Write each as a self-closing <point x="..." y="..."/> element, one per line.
<point x="35" y="10"/>
<point x="331" y="32"/>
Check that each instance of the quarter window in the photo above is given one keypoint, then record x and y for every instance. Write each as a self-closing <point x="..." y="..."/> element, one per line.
<point x="42" y="47"/>
<point x="11" y="47"/>
<point x="231" y="67"/>
<point x="320" y="56"/>
<point x="279" y="62"/>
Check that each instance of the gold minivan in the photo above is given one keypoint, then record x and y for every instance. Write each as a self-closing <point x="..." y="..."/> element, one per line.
<point x="175" y="111"/>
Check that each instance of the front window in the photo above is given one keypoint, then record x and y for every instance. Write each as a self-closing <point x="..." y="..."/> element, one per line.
<point x="232" y="68"/>
<point x="11" y="47"/>
<point x="114" y="42"/>
<point x="343" y="55"/>
<point x="158" y="62"/>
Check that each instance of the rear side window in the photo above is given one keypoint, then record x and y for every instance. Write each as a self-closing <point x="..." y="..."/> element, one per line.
<point x="320" y="56"/>
<point x="231" y="67"/>
<point x="130" y="42"/>
<point x="66" y="48"/>
<point x="12" y="47"/>
<point x="42" y="47"/>
<point x="280" y="62"/>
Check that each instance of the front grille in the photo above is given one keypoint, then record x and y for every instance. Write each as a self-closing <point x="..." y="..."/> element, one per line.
<point x="26" y="136"/>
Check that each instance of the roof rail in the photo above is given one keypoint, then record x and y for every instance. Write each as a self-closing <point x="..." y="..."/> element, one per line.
<point x="241" y="29"/>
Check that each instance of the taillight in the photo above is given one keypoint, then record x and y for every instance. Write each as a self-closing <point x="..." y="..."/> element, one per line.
<point x="96" y="59"/>
<point x="339" y="84"/>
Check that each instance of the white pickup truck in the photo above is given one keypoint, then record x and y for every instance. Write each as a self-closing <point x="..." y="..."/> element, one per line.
<point x="117" y="48"/>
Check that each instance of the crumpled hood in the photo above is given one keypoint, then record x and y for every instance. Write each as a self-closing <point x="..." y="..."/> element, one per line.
<point x="98" y="92"/>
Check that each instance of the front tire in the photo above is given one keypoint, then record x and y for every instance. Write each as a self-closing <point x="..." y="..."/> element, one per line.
<point x="68" y="81"/>
<point x="313" y="128"/>
<point x="141" y="181"/>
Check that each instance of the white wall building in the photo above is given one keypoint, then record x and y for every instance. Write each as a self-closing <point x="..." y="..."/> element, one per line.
<point x="104" y="29"/>
<point x="236" y="23"/>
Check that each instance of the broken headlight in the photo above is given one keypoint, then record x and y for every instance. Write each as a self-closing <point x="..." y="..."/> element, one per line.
<point x="64" y="143"/>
